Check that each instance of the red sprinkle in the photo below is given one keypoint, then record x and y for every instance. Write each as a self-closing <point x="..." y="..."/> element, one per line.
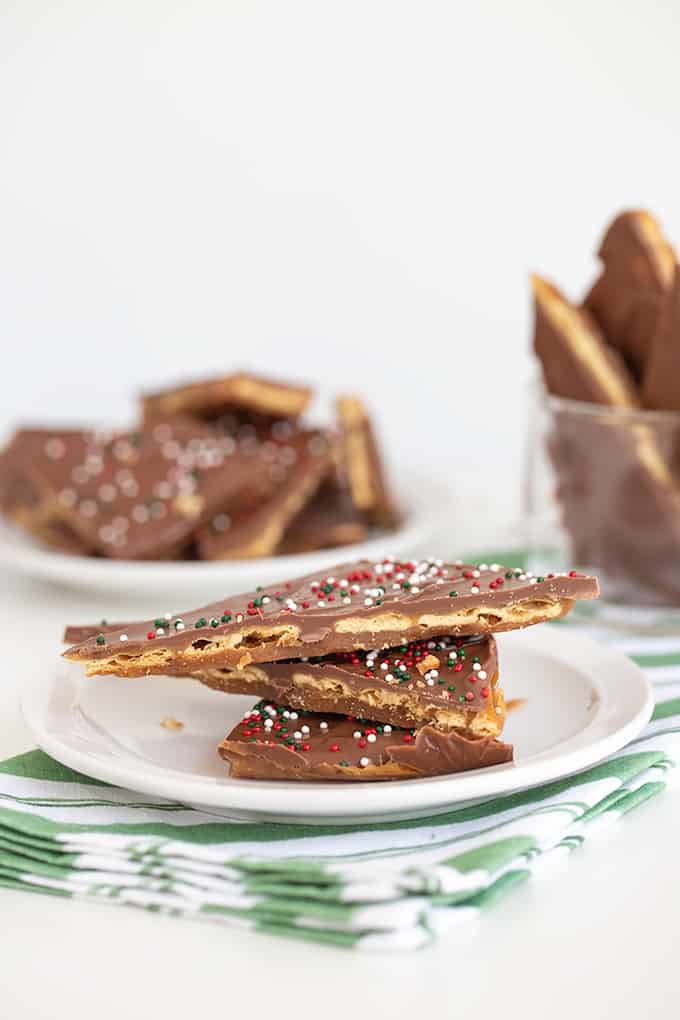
<point x="306" y="747"/>
<point x="334" y="747"/>
<point x="151" y="634"/>
<point x="407" y="738"/>
<point x="485" y="692"/>
<point x="469" y="695"/>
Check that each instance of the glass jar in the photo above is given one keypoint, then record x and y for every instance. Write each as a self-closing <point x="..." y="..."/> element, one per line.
<point x="602" y="494"/>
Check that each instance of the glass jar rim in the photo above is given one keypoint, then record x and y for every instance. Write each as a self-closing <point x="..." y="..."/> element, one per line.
<point x="587" y="409"/>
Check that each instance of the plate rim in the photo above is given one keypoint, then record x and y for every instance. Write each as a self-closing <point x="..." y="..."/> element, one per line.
<point x="615" y="674"/>
<point x="423" y="514"/>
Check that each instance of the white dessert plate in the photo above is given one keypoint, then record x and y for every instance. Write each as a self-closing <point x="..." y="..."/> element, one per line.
<point x="426" y="510"/>
<point x="581" y="702"/>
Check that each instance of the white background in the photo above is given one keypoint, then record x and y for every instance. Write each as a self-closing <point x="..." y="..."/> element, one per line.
<point x="351" y="193"/>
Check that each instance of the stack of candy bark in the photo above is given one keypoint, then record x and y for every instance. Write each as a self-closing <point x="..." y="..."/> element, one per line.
<point x="617" y="467"/>
<point x="222" y="469"/>
<point x="368" y="671"/>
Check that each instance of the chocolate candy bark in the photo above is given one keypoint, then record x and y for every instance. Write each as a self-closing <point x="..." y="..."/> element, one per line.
<point x="238" y="392"/>
<point x="330" y="519"/>
<point x="627" y="298"/>
<point x="360" y="605"/>
<point x="576" y="361"/>
<point x="141" y="495"/>
<point x="302" y="461"/>
<point x="661" y="379"/>
<point x="362" y="464"/>
<point x="449" y="683"/>
<point x="276" y="742"/>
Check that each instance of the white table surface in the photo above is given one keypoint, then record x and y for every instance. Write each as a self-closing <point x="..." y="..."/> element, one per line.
<point x="597" y="940"/>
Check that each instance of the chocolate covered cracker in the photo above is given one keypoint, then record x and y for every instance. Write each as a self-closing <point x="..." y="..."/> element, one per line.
<point x="277" y="742"/>
<point x="449" y="683"/>
<point x="256" y="529"/>
<point x="361" y="605"/>
<point x="362" y="465"/>
<point x="141" y="495"/>
<point x="577" y="363"/>
<point x="627" y="298"/>
<point x="240" y="392"/>
<point x="661" y="378"/>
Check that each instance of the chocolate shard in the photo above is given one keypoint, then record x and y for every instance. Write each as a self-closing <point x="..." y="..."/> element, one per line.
<point x="241" y="392"/>
<point x="459" y="692"/>
<point x="362" y="464"/>
<point x="661" y="379"/>
<point x="277" y="742"/>
<point x="577" y="363"/>
<point x="358" y="605"/>
<point x="627" y="298"/>
<point x="257" y="529"/>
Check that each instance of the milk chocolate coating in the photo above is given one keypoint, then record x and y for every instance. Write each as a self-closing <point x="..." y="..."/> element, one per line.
<point x="359" y="605"/>
<point x="448" y="683"/>
<point x="330" y="519"/>
<point x="257" y="530"/>
<point x="297" y="746"/>
<point x="661" y="379"/>
<point x="576" y="361"/>
<point x="627" y="298"/>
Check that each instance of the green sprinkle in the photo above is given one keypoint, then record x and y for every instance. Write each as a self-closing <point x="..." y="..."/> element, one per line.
<point x="453" y="594"/>
<point x="508" y="575"/>
<point x="451" y="688"/>
<point x="259" y="588"/>
<point x="540" y="579"/>
<point x="159" y="623"/>
<point x="201" y="623"/>
<point x="214" y="622"/>
<point x="100" y="639"/>
<point x="226" y="618"/>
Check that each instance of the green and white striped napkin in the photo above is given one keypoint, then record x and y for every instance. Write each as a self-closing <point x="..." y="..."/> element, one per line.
<point x="394" y="885"/>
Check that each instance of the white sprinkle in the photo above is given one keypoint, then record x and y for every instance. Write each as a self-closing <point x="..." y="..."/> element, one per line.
<point x="474" y="590"/>
<point x="179" y="625"/>
<point x="368" y="602"/>
<point x="167" y="616"/>
<point x="389" y="678"/>
<point x="476" y="666"/>
<point x="55" y="449"/>
<point x="123" y="637"/>
<point x="482" y="674"/>
<point x="495" y="566"/>
<point x="323" y="725"/>
<point x="387" y="729"/>
<point x="297" y="735"/>
<point x="364" y="762"/>
<point x="383" y="665"/>
<point x="305" y="729"/>
<point x="294" y="715"/>
<point x="356" y="734"/>
<point x="371" y="738"/>
<point x="160" y="632"/>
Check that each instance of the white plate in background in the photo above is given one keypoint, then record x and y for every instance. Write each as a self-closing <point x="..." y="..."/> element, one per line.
<point x="582" y="702"/>
<point x="427" y="512"/>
